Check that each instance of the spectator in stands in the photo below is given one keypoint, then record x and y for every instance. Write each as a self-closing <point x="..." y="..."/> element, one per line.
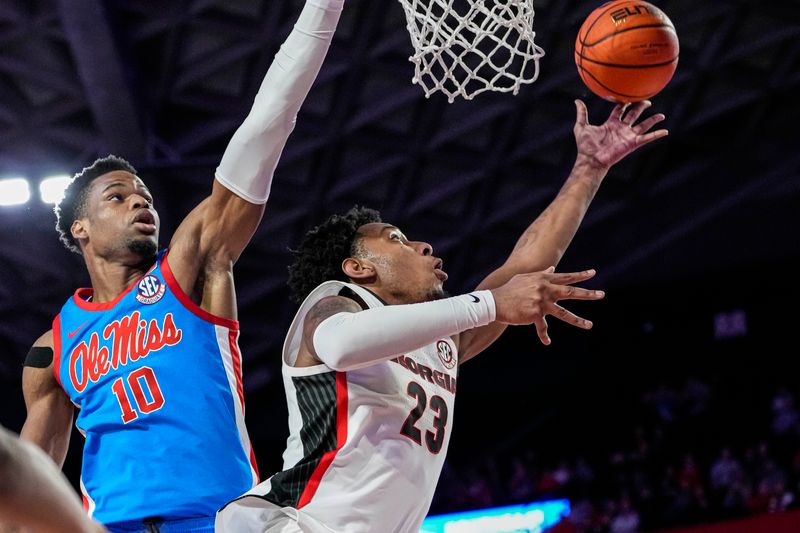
<point x="626" y="520"/>
<point x="724" y="470"/>
<point x="520" y="485"/>
<point x="737" y="495"/>
<point x="784" y="415"/>
<point x="659" y="493"/>
<point x="696" y="397"/>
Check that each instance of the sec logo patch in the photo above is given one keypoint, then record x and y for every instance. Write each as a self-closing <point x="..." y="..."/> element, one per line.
<point x="445" y="352"/>
<point x="150" y="289"/>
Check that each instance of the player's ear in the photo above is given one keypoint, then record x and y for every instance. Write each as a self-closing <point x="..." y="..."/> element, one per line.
<point x="78" y="229"/>
<point x="361" y="269"/>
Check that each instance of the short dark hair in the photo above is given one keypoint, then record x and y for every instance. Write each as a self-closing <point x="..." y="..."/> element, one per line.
<point x="73" y="205"/>
<point x="322" y="250"/>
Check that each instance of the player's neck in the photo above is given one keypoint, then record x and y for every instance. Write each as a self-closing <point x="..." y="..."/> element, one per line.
<point x="112" y="278"/>
<point x="388" y="297"/>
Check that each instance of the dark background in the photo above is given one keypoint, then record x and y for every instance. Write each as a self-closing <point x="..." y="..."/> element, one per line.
<point x="700" y="223"/>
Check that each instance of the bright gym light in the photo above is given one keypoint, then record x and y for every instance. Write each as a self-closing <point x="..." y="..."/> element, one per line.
<point x="533" y="517"/>
<point x="51" y="189"/>
<point x="14" y="191"/>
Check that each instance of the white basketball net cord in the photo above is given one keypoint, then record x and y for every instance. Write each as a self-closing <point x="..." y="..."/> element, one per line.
<point x="472" y="46"/>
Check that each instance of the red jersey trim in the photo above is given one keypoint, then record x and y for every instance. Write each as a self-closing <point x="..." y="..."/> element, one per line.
<point x="81" y="295"/>
<point x="341" y="438"/>
<point x="57" y="349"/>
<point x="237" y="371"/>
<point x="187" y="302"/>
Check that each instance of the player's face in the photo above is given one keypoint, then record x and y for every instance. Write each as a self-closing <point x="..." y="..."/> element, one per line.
<point x="408" y="270"/>
<point x="120" y="215"/>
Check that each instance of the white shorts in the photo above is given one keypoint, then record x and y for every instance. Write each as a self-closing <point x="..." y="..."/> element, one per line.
<point x="251" y="514"/>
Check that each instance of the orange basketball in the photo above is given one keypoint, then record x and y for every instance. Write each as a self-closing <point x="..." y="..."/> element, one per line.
<point x="626" y="51"/>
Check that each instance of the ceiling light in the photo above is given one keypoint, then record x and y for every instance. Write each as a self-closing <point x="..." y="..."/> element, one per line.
<point x="51" y="189"/>
<point x="14" y="191"/>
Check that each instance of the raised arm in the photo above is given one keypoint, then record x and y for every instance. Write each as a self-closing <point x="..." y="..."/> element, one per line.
<point x="213" y="235"/>
<point x="544" y="242"/>
<point x="338" y="333"/>
<point x="35" y="494"/>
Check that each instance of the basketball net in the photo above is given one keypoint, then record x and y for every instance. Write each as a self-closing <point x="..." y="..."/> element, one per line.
<point x="472" y="46"/>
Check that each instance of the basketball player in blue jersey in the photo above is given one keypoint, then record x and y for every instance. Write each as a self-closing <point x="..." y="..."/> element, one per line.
<point x="370" y="362"/>
<point x="149" y="352"/>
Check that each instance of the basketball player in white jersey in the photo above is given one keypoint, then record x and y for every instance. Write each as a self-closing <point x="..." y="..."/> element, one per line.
<point x="370" y="362"/>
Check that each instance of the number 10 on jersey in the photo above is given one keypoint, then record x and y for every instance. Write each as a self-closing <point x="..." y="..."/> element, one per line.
<point x="137" y="381"/>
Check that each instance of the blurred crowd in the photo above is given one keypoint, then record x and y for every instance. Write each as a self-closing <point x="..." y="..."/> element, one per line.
<point x="692" y="455"/>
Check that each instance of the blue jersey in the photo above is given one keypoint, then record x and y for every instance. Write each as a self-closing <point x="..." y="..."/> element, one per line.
<point x="159" y="385"/>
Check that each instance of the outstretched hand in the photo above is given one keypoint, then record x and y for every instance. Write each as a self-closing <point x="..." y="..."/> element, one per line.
<point x="529" y="298"/>
<point x="611" y="141"/>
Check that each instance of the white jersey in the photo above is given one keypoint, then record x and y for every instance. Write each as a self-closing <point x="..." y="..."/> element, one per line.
<point x="366" y="446"/>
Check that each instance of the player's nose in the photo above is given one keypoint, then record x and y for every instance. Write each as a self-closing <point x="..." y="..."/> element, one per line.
<point x="423" y="248"/>
<point x="138" y="201"/>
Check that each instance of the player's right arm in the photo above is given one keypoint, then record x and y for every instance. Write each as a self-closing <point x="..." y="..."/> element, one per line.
<point x="338" y="333"/>
<point x="211" y="238"/>
<point x="34" y="494"/>
<point x="50" y="412"/>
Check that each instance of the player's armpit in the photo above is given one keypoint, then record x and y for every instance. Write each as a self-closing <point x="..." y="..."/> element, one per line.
<point x="213" y="234"/>
<point x="206" y="246"/>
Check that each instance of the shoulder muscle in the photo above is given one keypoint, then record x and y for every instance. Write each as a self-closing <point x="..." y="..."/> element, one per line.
<point x="325" y="308"/>
<point x="38" y="382"/>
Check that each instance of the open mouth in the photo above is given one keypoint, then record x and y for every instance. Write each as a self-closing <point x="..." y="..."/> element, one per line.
<point x="145" y="222"/>
<point x="437" y="270"/>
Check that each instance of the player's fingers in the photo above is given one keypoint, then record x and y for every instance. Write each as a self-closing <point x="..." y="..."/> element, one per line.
<point x="565" y="278"/>
<point x="618" y="111"/>
<point x="582" y="114"/>
<point x="648" y="123"/>
<point x="541" y="330"/>
<point x="570" y="292"/>
<point x="570" y="317"/>
<point x="641" y="140"/>
<point x="636" y="111"/>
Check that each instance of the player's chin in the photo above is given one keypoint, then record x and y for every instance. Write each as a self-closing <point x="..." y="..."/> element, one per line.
<point x="150" y="239"/>
<point x="145" y="246"/>
<point x="436" y="292"/>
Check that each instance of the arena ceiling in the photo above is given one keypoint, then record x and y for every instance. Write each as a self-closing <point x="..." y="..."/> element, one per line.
<point x="165" y="84"/>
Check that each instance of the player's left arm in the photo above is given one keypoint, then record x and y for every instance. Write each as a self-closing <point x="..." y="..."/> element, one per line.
<point x="544" y="242"/>
<point x="212" y="237"/>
